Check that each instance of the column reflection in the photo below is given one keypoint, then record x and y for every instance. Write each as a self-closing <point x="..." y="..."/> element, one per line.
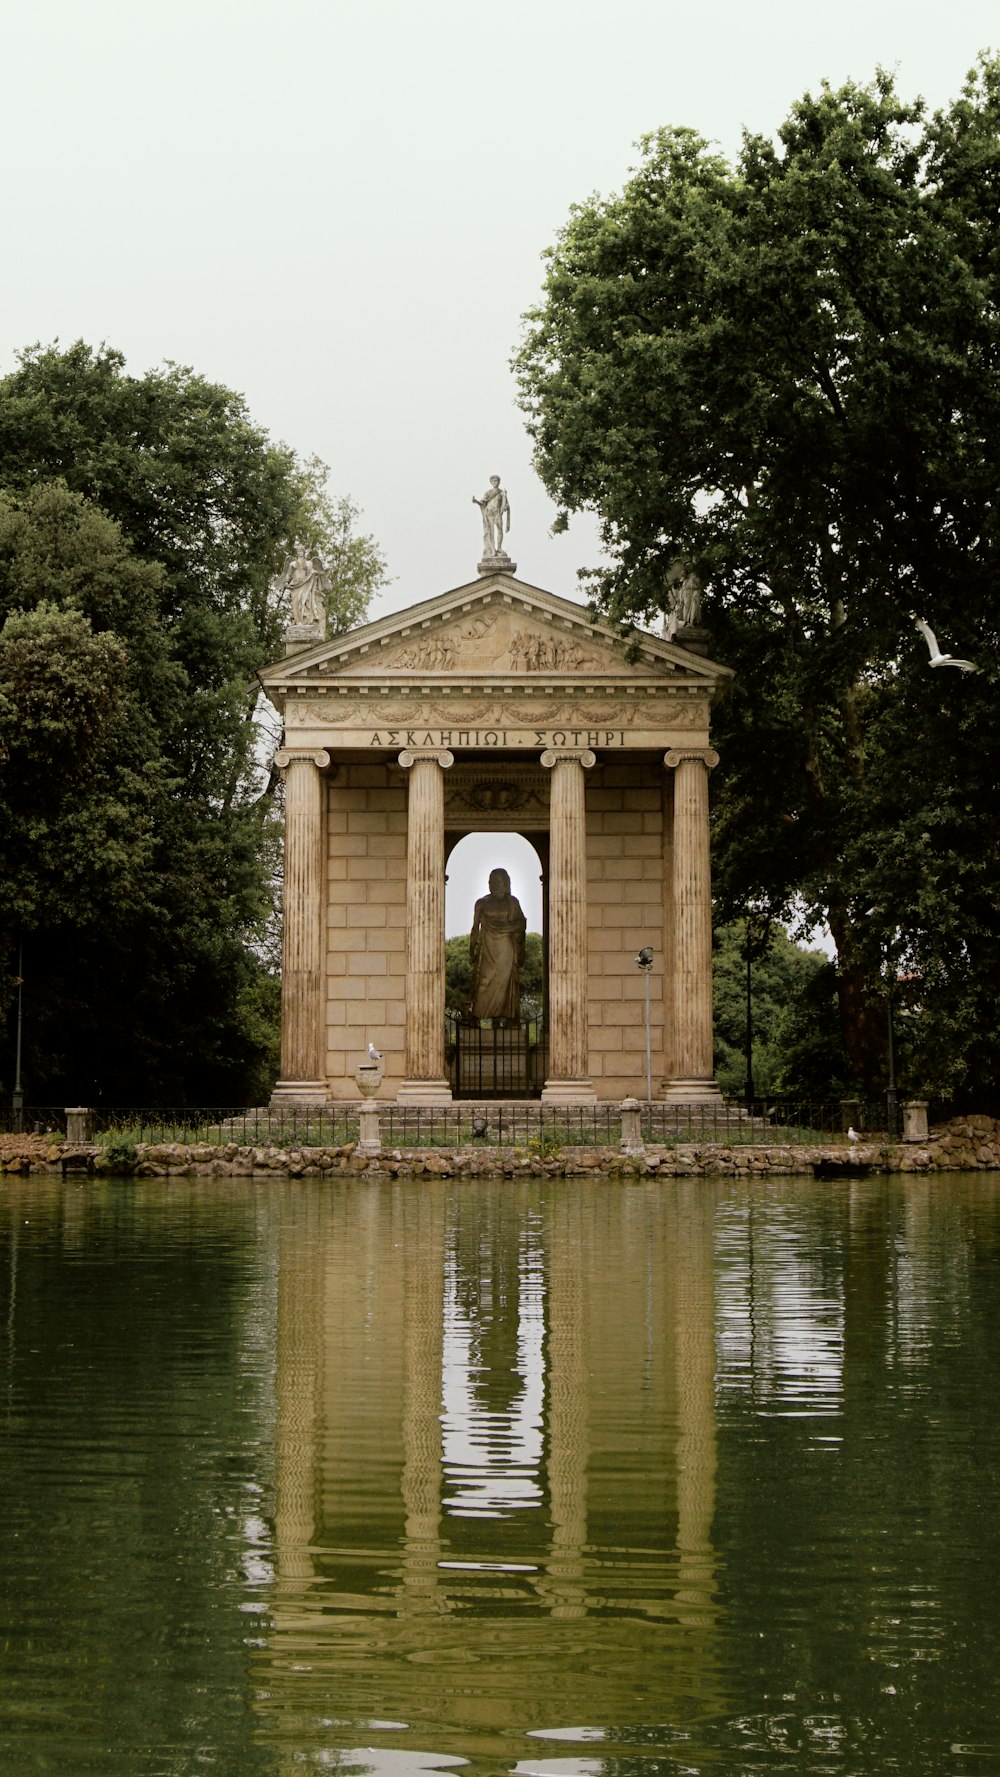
<point x="496" y="1462"/>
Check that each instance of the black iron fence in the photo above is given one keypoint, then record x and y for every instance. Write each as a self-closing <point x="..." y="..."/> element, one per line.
<point x="506" y="1059"/>
<point x="327" y="1126"/>
<point x="486" y="1121"/>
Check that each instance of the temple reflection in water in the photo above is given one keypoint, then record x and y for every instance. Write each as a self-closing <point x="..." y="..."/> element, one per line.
<point x="470" y="1411"/>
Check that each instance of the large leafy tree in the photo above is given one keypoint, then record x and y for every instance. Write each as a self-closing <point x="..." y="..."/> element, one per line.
<point x="142" y="520"/>
<point x="786" y="371"/>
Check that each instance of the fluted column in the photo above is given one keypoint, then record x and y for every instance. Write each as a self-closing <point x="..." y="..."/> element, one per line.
<point x="303" y="1057"/>
<point x="567" y="1081"/>
<point x="690" y="988"/>
<point x="426" y="1081"/>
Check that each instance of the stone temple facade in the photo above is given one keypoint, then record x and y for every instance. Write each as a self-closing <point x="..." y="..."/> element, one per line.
<point x="496" y="707"/>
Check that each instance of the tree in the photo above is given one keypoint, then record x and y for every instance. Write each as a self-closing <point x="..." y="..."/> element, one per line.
<point x="142" y="521"/>
<point x="786" y="373"/>
<point x="797" y="1050"/>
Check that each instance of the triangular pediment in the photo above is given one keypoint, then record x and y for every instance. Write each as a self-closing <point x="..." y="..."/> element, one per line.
<point x="497" y="629"/>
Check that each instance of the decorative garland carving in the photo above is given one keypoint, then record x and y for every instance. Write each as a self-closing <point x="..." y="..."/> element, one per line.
<point x="355" y="712"/>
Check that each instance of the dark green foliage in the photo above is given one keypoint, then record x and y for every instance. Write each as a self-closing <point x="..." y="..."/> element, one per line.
<point x="142" y="520"/>
<point x="787" y="371"/>
<point x="797" y="1048"/>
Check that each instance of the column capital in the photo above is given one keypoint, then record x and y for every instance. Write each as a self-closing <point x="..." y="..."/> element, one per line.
<point x="284" y="756"/>
<point x="582" y="755"/>
<point x="707" y="756"/>
<point x="441" y="756"/>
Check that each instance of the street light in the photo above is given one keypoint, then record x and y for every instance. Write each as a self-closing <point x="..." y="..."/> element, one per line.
<point x="644" y="961"/>
<point x="17" y="1098"/>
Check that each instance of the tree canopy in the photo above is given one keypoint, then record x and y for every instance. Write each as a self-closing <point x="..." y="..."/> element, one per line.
<point x="142" y="522"/>
<point x="786" y="372"/>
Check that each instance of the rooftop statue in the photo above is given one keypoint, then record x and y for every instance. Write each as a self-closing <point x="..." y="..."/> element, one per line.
<point x="495" y="509"/>
<point x="307" y="582"/>
<point x="683" y="598"/>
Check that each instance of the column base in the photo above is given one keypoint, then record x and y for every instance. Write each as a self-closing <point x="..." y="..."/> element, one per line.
<point x="311" y="1092"/>
<point x="424" y="1092"/>
<point x="568" y="1092"/>
<point x="691" y="1091"/>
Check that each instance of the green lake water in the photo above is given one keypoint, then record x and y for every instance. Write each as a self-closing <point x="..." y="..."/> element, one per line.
<point x="554" y="1477"/>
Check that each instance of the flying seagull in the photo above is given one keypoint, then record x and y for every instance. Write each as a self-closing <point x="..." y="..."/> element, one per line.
<point x="937" y="658"/>
<point x="373" y="1053"/>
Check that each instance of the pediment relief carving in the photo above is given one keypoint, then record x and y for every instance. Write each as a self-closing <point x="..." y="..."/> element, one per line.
<point x="489" y="641"/>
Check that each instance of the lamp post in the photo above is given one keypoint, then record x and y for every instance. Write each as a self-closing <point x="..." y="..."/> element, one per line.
<point x="644" y="961"/>
<point x="748" y="1084"/>
<point x="17" y="1097"/>
<point x="890" y="1096"/>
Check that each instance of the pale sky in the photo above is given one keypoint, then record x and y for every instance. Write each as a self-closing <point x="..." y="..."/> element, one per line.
<point x="338" y="207"/>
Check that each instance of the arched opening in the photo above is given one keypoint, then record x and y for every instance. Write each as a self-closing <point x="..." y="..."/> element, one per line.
<point x="495" y="1006"/>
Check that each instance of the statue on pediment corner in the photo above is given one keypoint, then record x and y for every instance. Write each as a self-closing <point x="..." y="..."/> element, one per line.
<point x="683" y="597"/>
<point x="306" y="582"/>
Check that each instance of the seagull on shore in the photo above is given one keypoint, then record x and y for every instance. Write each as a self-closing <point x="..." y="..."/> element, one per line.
<point x="937" y="658"/>
<point x="853" y="1136"/>
<point x="373" y="1053"/>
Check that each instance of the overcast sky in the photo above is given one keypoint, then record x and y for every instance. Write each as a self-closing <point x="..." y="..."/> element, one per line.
<point x="338" y="207"/>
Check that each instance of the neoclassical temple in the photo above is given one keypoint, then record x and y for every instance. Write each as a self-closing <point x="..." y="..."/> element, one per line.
<point x="495" y="707"/>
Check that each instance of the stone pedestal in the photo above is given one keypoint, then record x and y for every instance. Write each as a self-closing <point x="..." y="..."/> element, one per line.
<point x="79" y="1123"/>
<point x="915" y="1120"/>
<point x="497" y="564"/>
<point x="426" y="1080"/>
<point x="632" y="1142"/>
<point x="690" y="987"/>
<point x="303" y="1078"/>
<point x="567" y="1081"/>
<point x="303" y="635"/>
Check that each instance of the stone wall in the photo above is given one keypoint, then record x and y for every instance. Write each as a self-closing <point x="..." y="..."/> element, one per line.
<point x="967" y="1144"/>
<point x="624" y="912"/>
<point x="366" y="923"/>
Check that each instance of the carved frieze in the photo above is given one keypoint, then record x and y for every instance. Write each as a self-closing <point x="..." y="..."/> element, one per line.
<point x="581" y="712"/>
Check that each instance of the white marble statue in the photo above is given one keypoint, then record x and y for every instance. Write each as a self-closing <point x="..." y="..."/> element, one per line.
<point x="495" y="509"/>
<point x="306" y="581"/>
<point x="683" y="597"/>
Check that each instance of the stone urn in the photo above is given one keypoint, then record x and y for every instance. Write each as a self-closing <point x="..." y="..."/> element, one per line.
<point x="369" y="1078"/>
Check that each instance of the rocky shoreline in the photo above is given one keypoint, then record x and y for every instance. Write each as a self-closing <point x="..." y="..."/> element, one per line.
<point x="965" y="1144"/>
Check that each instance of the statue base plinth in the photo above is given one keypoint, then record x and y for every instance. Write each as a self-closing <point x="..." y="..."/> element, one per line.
<point x="568" y="1092"/>
<point x="692" y="637"/>
<point x="424" y="1092"/>
<point x="300" y="635"/>
<point x="497" y="564"/>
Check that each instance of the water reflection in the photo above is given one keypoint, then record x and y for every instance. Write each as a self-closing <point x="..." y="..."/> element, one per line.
<point x="493" y="1399"/>
<point x="509" y="1488"/>
<point x="549" y="1477"/>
